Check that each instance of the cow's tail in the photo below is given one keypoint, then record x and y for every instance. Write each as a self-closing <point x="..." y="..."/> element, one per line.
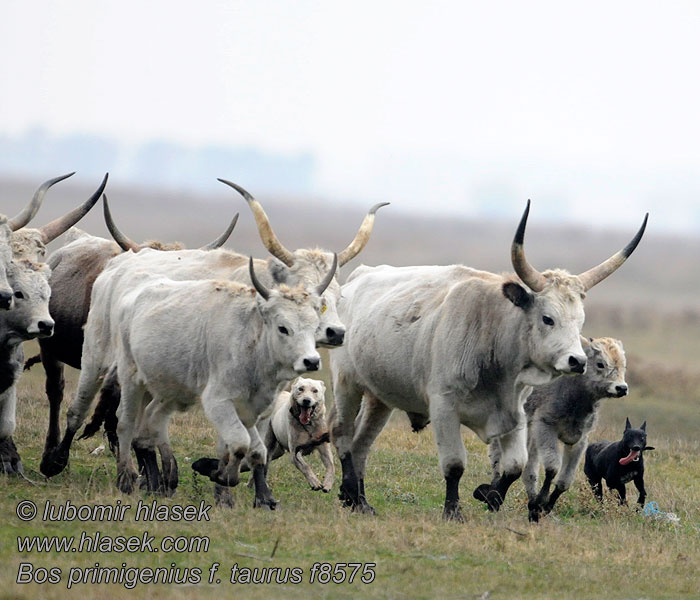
<point x="106" y="414"/>
<point x="30" y="362"/>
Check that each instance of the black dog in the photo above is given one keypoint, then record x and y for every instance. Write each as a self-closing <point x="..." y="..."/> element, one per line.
<point x="618" y="463"/>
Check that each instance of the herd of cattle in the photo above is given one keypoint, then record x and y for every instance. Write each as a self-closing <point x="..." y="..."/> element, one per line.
<point x="155" y="328"/>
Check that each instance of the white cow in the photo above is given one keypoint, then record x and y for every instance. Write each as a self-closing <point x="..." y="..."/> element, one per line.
<point x="179" y="341"/>
<point x="454" y="346"/>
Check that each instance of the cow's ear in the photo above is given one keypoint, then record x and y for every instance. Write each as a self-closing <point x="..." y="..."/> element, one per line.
<point x="278" y="270"/>
<point x="518" y="295"/>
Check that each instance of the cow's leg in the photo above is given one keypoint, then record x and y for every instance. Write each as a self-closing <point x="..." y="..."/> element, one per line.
<point x="451" y="451"/>
<point x="570" y="462"/>
<point x="10" y="462"/>
<point x="348" y="399"/>
<point x="153" y="421"/>
<point x="130" y="416"/>
<point x="546" y="441"/>
<point x="372" y="419"/>
<point x="495" y="459"/>
<point x="55" y="384"/>
<point x="513" y="460"/>
<point x="324" y="451"/>
<point x="157" y="415"/>
<point x="233" y="443"/>
<point x="256" y="457"/>
<point x="532" y="468"/>
<point x="56" y="459"/>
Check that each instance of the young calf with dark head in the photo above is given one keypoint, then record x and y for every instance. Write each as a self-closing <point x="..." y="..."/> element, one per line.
<point x="565" y="412"/>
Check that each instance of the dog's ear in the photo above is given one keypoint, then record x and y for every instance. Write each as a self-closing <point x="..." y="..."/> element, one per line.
<point x="644" y="426"/>
<point x="322" y="386"/>
<point x="628" y="425"/>
<point x="649" y="448"/>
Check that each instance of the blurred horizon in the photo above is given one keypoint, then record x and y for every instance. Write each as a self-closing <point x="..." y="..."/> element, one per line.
<point x="454" y="109"/>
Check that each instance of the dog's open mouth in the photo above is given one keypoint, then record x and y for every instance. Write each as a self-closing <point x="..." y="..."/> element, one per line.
<point x="632" y="456"/>
<point x="305" y="415"/>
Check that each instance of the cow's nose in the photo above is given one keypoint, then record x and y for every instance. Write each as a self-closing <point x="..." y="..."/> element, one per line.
<point x="5" y="300"/>
<point x="577" y="365"/>
<point x="621" y="390"/>
<point x="311" y="364"/>
<point x="335" y="336"/>
<point x="46" y="327"/>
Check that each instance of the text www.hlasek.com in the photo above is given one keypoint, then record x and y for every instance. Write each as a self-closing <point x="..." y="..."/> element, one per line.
<point x="97" y="542"/>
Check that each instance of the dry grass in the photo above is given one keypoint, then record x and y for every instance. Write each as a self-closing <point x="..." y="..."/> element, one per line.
<point x="583" y="550"/>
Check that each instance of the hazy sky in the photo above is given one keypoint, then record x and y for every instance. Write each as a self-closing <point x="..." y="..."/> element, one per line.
<point x="593" y="109"/>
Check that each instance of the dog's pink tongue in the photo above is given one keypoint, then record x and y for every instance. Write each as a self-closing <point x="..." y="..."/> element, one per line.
<point x="630" y="457"/>
<point x="304" y="416"/>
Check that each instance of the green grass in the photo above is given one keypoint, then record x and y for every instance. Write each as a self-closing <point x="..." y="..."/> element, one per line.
<point x="582" y="550"/>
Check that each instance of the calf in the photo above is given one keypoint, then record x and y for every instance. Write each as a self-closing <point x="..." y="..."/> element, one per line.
<point x="298" y="426"/>
<point x="566" y="411"/>
<point x="618" y="463"/>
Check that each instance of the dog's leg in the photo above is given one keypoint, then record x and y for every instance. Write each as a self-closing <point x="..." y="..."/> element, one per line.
<point x="639" y="484"/>
<point x="622" y="492"/>
<point x="299" y="462"/>
<point x="327" y="459"/>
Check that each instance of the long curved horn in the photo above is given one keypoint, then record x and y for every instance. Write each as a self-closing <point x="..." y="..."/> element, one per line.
<point x="124" y="242"/>
<point x="268" y="237"/>
<point x="52" y="230"/>
<point x="321" y="287"/>
<point x="597" y="274"/>
<point x="529" y="275"/>
<point x="221" y="240"/>
<point x="362" y="236"/>
<point x="259" y="287"/>
<point x="28" y="212"/>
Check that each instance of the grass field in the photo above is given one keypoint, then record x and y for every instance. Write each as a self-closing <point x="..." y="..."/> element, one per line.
<point x="582" y="550"/>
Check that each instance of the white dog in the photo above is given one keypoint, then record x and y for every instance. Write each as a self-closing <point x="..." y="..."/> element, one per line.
<point x="298" y="425"/>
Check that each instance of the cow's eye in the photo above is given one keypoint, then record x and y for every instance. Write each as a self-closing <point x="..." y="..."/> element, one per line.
<point x="19" y="295"/>
<point x="548" y="321"/>
<point x="601" y="365"/>
<point x="283" y="330"/>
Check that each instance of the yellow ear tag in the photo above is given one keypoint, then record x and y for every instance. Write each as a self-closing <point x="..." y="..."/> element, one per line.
<point x="324" y="308"/>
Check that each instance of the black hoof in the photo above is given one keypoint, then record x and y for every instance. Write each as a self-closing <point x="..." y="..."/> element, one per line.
<point x="265" y="503"/>
<point x="453" y="513"/>
<point x="206" y="466"/>
<point x="53" y="462"/>
<point x="126" y="481"/>
<point x="534" y="512"/>
<point x="485" y="493"/>
<point x="10" y="463"/>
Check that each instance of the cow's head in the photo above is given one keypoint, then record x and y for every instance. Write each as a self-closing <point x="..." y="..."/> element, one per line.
<point x="7" y="300"/>
<point x="308" y="267"/>
<point x="290" y="318"/>
<point x="553" y="304"/>
<point x="29" y="243"/>
<point x="606" y="367"/>
<point x="30" y="316"/>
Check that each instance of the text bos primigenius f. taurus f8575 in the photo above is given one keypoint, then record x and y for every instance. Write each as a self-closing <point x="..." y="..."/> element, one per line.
<point x="566" y="411"/>
<point x="454" y="345"/>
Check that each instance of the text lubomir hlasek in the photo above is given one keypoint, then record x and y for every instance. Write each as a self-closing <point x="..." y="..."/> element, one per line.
<point x="144" y="511"/>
